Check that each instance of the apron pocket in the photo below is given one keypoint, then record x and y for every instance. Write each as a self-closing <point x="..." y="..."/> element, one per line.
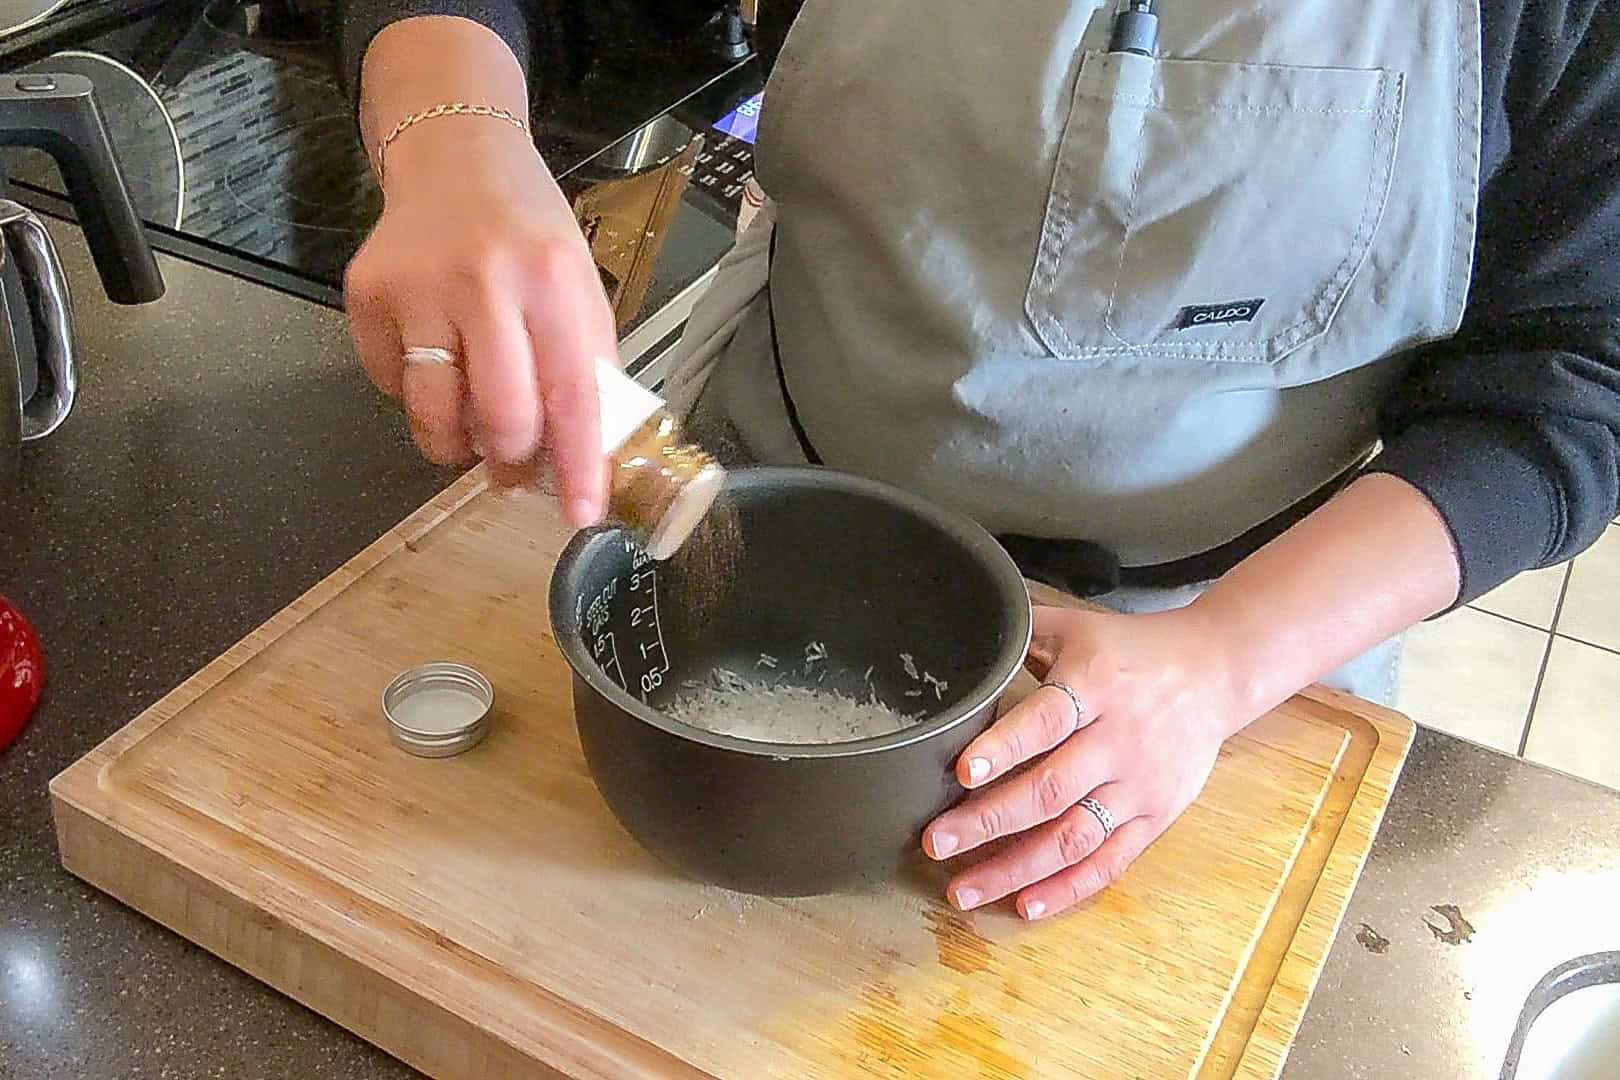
<point x="1207" y="211"/>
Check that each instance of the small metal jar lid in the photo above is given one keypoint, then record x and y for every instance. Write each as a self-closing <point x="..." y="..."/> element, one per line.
<point x="437" y="710"/>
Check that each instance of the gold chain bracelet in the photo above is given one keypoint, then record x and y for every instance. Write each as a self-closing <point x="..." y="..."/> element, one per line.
<point x="449" y="108"/>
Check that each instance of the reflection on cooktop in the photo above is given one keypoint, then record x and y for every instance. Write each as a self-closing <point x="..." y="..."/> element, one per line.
<point x="277" y="22"/>
<point x="288" y="177"/>
<point x="148" y="144"/>
<point x="273" y="166"/>
<point x="237" y="139"/>
<point x="269" y="164"/>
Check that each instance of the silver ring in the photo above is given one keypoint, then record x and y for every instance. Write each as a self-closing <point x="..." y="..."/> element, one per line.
<point x="430" y="354"/>
<point x="1100" y="812"/>
<point x="1079" y="706"/>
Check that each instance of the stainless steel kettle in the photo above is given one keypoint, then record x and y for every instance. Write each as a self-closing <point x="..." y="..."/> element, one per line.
<point x="38" y="372"/>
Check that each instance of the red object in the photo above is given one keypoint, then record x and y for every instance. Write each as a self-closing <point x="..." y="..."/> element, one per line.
<point x="22" y="671"/>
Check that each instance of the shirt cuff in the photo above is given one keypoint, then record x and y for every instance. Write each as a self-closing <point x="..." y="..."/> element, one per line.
<point x="365" y="19"/>
<point x="1493" y="494"/>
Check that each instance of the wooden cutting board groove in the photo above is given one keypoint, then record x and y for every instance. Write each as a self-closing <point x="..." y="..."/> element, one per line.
<point x="485" y="917"/>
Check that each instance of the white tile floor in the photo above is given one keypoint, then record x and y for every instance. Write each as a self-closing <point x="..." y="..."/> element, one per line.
<point x="1532" y="668"/>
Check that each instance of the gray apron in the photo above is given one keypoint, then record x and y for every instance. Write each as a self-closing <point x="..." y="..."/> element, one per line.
<point x="1143" y="302"/>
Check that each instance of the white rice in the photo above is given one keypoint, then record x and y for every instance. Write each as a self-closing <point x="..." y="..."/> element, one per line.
<point x="783" y="714"/>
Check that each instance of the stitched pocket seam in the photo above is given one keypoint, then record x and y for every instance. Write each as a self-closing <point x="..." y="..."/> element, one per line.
<point x="1316" y="312"/>
<point x="1320" y="308"/>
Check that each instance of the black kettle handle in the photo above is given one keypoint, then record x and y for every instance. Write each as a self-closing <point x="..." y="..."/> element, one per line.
<point x="58" y="114"/>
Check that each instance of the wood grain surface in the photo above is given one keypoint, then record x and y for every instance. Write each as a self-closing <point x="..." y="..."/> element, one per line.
<point x="485" y="917"/>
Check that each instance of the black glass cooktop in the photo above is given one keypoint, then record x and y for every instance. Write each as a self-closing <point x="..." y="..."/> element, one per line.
<point x="240" y="148"/>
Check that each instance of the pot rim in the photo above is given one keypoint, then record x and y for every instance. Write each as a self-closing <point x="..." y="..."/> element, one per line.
<point x="565" y="622"/>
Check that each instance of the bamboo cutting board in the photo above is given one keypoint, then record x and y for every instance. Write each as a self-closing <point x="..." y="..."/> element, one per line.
<point x="484" y="916"/>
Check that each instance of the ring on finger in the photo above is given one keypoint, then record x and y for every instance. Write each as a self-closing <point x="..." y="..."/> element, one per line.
<point x="1073" y="696"/>
<point x="430" y="354"/>
<point x="1101" y="813"/>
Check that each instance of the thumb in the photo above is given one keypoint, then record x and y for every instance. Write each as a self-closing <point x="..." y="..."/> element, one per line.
<point x="1051" y="625"/>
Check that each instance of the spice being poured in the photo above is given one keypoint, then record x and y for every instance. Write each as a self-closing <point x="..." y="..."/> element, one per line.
<point x="660" y="487"/>
<point x="707" y="567"/>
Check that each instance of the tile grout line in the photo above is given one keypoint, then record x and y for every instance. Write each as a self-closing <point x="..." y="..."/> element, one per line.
<point x="1515" y="622"/>
<point x="1610" y="649"/>
<point x="1546" y="658"/>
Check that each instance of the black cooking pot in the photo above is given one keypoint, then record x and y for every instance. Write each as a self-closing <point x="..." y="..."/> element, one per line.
<point x="842" y="583"/>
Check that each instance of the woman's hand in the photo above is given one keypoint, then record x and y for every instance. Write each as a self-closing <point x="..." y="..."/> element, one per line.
<point x="1162" y="692"/>
<point x="478" y="253"/>
<point x="1157" y="706"/>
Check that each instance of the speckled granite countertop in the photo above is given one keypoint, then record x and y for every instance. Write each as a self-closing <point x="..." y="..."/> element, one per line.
<point x="226" y="453"/>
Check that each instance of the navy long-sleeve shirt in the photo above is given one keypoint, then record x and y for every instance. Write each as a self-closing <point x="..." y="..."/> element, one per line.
<point x="1511" y="427"/>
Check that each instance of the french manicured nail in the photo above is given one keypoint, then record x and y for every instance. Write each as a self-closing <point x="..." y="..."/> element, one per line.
<point x="967" y="899"/>
<point x="944" y="844"/>
<point x="978" y="769"/>
<point x="1033" y="910"/>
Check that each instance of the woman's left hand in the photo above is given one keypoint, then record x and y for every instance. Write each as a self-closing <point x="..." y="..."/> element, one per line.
<point x="1158" y="698"/>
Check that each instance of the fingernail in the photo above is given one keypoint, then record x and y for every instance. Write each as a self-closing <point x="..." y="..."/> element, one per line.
<point x="581" y="513"/>
<point x="967" y="899"/>
<point x="944" y="844"/>
<point x="978" y="769"/>
<point x="1033" y="910"/>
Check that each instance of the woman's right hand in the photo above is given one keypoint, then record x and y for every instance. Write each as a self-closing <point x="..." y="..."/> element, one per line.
<point x="477" y="252"/>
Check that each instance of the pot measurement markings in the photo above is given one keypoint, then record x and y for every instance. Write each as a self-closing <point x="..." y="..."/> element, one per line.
<point x="604" y="643"/>
<point x="644" y="663"/>
<point x="644" y="618"/>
